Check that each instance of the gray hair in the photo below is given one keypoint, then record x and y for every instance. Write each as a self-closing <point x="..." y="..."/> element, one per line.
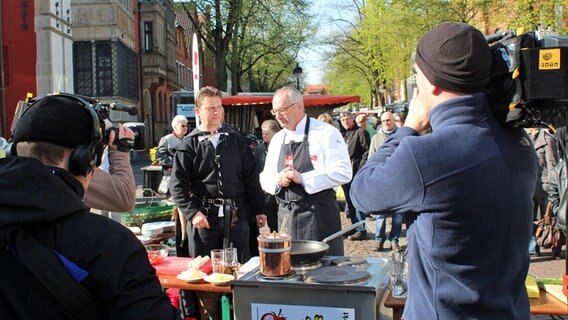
<point x="346" y="114"/>
<point x="177" y="120"/>
<point x="294" y="96"/>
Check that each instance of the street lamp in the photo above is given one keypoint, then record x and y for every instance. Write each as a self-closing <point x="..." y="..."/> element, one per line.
<point x="297" y="72"/>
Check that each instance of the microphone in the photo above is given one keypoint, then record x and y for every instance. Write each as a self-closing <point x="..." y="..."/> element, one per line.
<point x="119" y="107"/>
<point x="499" y="36"/>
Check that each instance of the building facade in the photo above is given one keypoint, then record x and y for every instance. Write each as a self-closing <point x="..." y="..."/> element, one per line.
<point x="17" y="57"/>
<point x="158" y="63"/>
<point x="83" y="47"/>
<point x="127" y="51"/>
<point x="104" y="53"/>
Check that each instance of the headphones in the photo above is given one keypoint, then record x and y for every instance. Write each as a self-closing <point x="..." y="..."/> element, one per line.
<point x="83" y="158"/>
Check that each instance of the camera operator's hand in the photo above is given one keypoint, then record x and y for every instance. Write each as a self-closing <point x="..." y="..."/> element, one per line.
<point x="124" y="134"/>
<point x="115" y="189"/>
<point x="417" y="117"/>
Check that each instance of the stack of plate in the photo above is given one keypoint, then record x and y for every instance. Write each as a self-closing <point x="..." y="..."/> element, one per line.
<point x="167" y="226"/>
<point x="155" y="228"/>
<point x="135" y="230"/>
<point x="151" y="230"/>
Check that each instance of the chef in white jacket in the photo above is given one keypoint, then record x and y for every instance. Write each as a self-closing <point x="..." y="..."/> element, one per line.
<point x="305" y="162"/>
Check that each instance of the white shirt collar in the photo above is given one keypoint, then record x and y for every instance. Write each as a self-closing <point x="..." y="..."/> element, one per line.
<point x="299" y="127"/>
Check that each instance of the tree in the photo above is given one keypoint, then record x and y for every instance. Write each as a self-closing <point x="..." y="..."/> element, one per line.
<point x="268" y="37"/>
<point x="216" y="29"/>
<point x="349" y="70"/>
<point x="360" y="80"/>
<point x="243" y="33"/>
<point x="386" y="34"/>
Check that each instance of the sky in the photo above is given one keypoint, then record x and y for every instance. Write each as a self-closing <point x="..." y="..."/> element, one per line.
<point x="312" y="59"/>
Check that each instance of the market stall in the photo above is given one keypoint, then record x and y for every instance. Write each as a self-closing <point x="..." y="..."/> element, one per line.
<point x="246" y="112"/>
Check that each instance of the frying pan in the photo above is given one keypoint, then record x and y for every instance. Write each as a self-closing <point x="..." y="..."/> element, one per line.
<point x="309" y="251"/>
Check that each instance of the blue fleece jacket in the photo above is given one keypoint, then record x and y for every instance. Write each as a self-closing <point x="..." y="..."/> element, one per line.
<point x="471" y="183"/>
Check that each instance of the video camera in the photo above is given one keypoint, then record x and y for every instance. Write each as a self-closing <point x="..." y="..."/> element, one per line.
<point x="103" y="112"/>
<point x="529" y="79"/>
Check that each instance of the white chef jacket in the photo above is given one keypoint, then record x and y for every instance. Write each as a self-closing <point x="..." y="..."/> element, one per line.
<point x="328" y="152"/>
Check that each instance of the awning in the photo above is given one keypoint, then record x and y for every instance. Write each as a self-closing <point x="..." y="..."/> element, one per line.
<point x="309" y="100"/>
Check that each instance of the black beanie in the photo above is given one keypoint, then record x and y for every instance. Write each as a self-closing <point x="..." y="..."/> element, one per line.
<point x="455" y="56"/>
<point x="62" y="121"/>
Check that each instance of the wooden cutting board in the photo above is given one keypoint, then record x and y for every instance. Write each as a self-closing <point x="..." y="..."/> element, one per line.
<point x="555" y="290"/>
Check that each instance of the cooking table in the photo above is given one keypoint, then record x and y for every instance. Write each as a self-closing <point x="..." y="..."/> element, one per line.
<point x="545" y="304"/>
<point x="170" y="281"/>
<point x="335" y="291"/>
<point x="167" y="273"/>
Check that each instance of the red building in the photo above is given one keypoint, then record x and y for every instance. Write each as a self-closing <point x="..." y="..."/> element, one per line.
<point x="18" y="58"/>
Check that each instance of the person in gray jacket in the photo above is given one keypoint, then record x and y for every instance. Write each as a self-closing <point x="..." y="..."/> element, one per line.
<point x="547" y="153"/>
<point x="165" y="153"/>
<point x="558" y="189"/>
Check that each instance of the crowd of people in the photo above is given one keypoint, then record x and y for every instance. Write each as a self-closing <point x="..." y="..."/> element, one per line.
<point x="468" y="206"/>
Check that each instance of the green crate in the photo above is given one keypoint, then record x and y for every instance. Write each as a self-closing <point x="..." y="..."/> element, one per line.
<point x="147" y="212"/>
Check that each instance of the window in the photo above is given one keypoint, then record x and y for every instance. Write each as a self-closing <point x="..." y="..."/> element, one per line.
<point x="104" y="69"/>
<point x="179" y="74"/>
<point x="125" y="71"/>
<point x="160" y="115"/>
<point x="164" y="108"/>
<point x="82" y="61"/>
<point x="148" y="36"/>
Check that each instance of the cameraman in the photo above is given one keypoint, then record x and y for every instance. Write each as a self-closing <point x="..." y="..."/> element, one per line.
<point x="470" y="182"/>
<point x="42" y="212"/>
<point x="114" y="190"/>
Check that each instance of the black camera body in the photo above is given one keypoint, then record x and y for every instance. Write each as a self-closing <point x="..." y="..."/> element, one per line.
<point x="529" y="79"/>
<point x="103" y="112"/>
<point x="126" y="145"/>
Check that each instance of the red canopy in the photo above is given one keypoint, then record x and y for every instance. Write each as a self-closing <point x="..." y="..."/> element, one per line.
<point x="309" y="100"/>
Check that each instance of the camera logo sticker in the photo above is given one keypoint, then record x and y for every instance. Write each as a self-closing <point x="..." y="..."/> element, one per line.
<point x="549" y="59"/>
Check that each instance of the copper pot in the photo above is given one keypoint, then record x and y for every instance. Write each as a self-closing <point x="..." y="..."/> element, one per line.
<point x="274" y="252"/>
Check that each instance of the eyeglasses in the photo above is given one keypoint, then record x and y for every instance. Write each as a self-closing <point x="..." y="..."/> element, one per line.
<point x="386" y="120"/>
<point x="281" y="110"/>
<point x="212" y="108"/>
<point x="184" y="125"/>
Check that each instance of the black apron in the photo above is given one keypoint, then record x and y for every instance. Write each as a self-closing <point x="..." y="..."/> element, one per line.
<point x="311" y="216"/>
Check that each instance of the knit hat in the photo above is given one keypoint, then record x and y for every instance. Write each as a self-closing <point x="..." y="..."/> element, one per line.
<point x="62" y="121"/>
<point x="455" y="56"/>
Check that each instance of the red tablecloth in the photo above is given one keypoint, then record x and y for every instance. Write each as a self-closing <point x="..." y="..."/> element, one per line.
<point x="175" y="265"/>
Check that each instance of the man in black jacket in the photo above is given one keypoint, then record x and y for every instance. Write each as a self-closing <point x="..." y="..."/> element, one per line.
<point x="357" y="140"/>
<point x="215" y="182"/>
<point x="41" y="192"/>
